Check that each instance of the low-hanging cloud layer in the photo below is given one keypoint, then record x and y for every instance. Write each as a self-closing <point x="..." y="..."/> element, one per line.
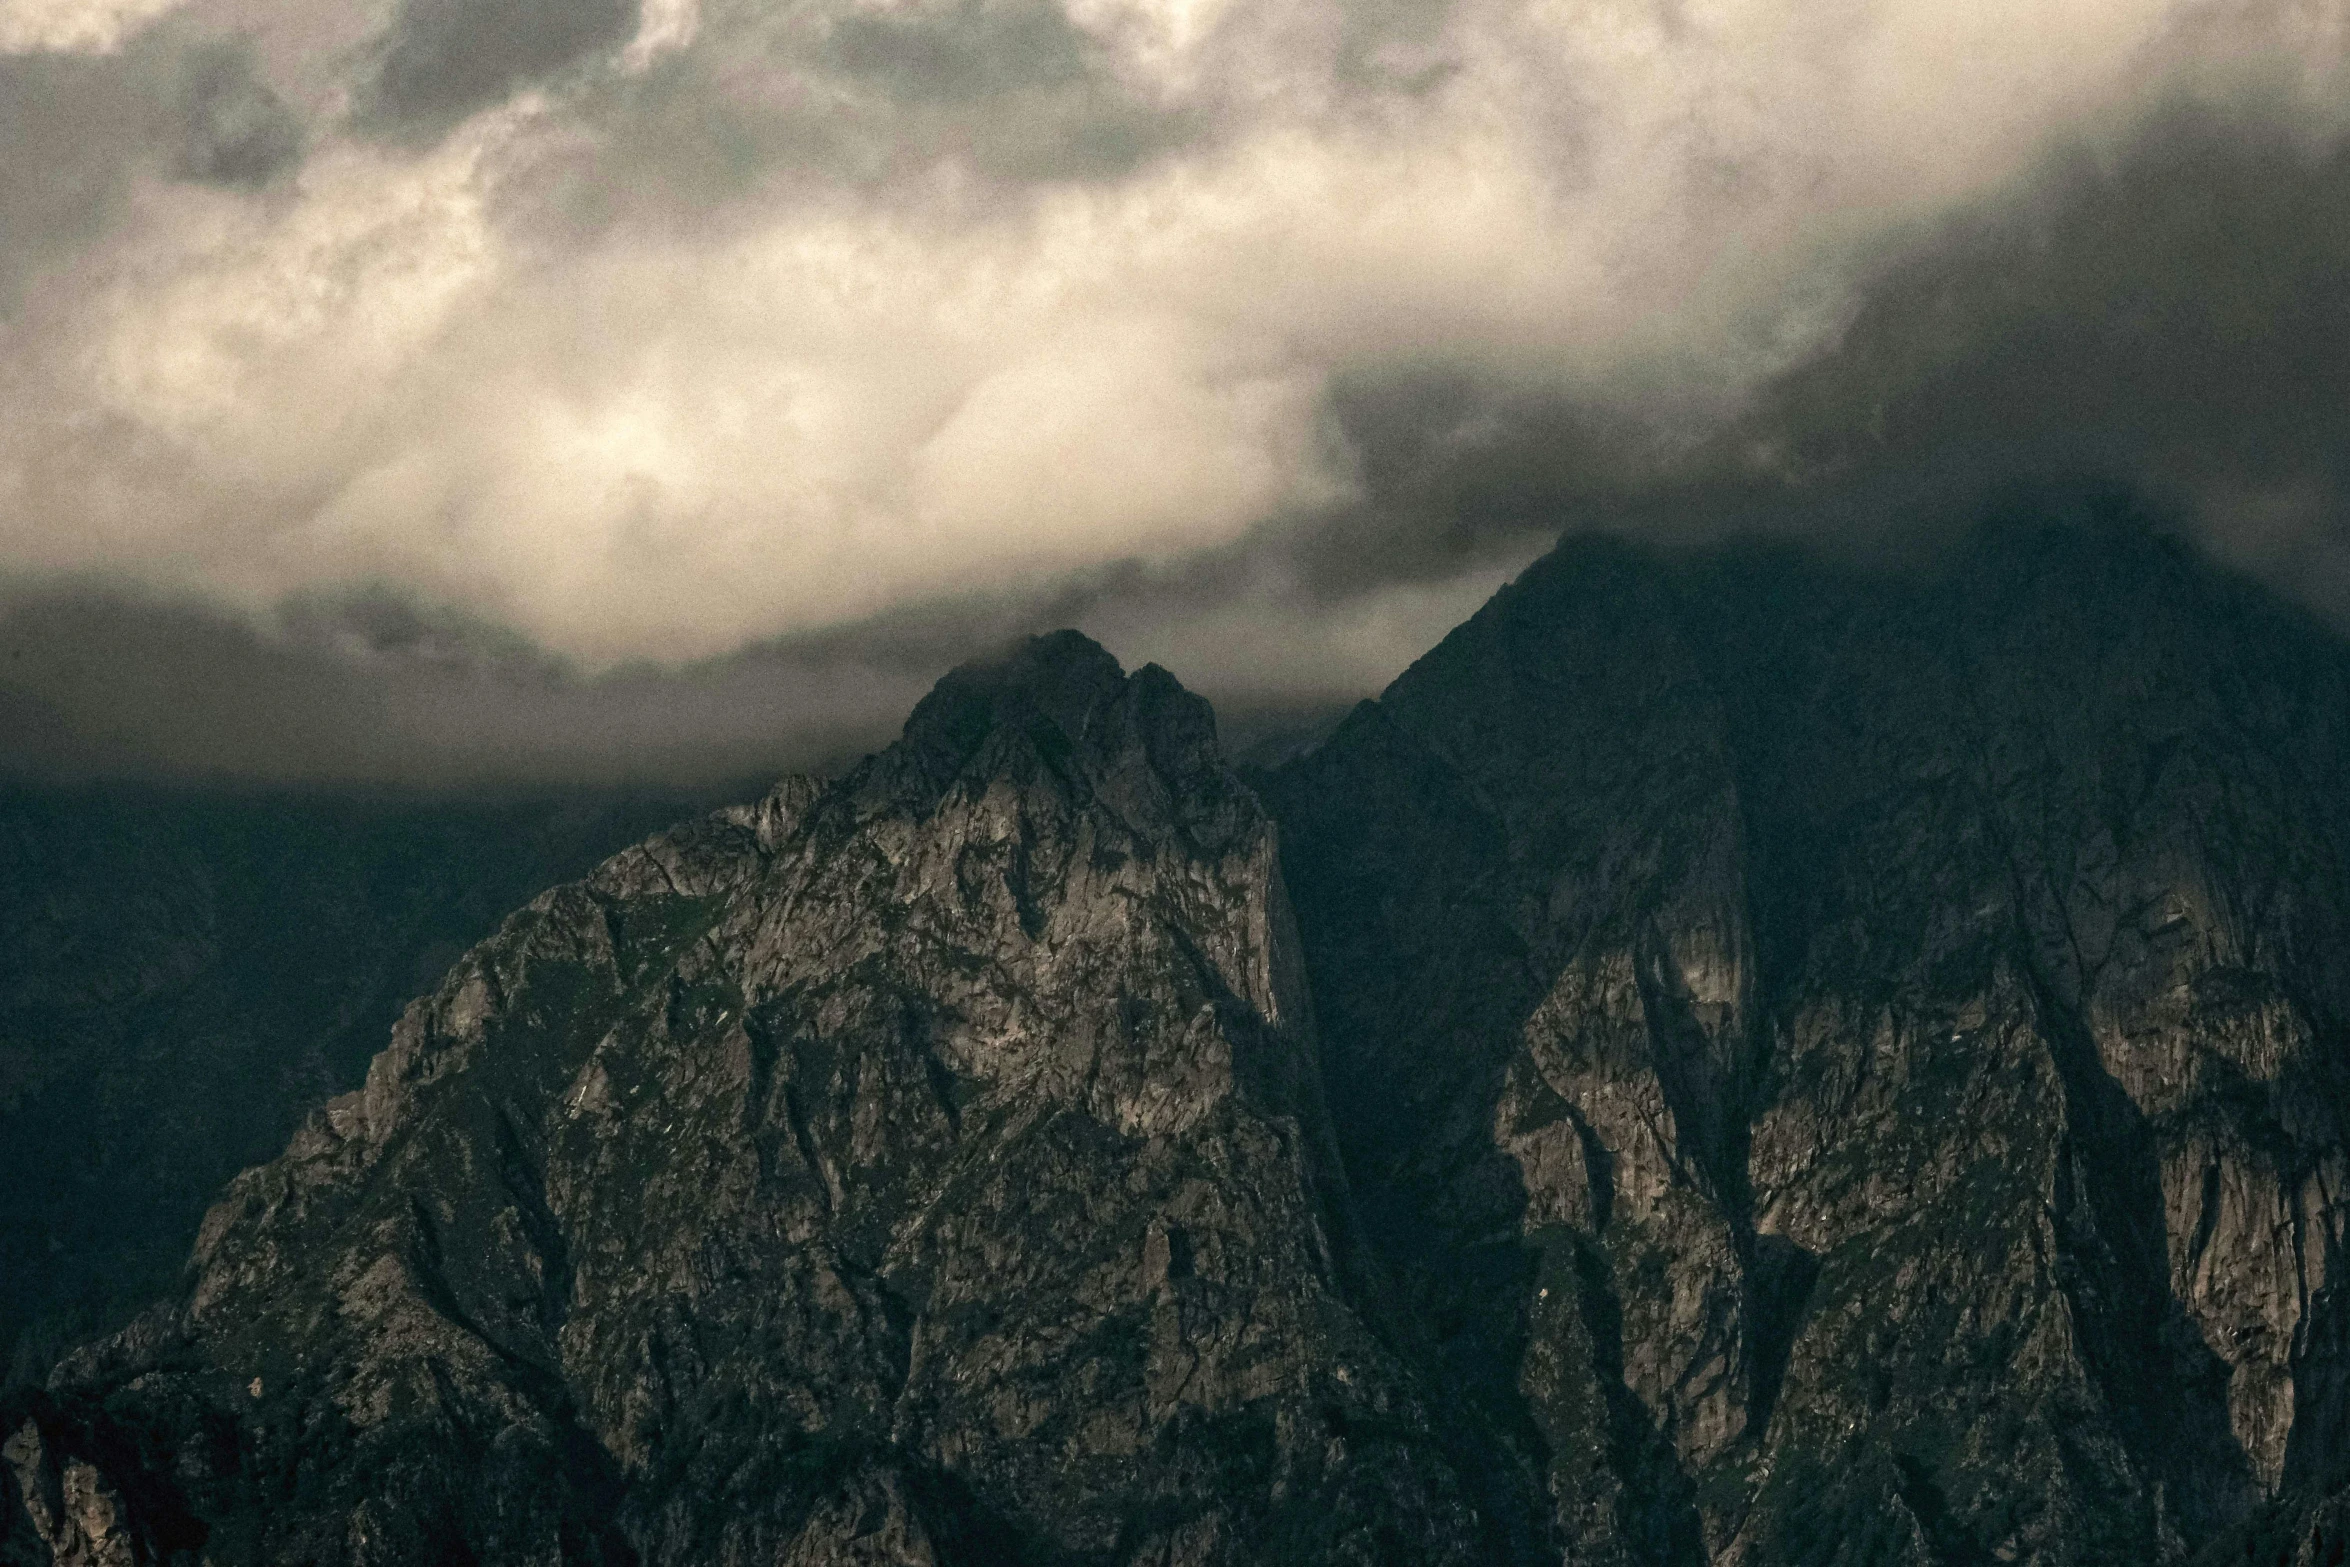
<point x="1261" y="336"/>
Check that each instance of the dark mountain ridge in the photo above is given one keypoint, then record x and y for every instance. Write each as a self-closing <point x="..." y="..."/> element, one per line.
<point x="185" y="971"/>
<point x="1910" y="1011"/>
<point x="1730" y="1059"/>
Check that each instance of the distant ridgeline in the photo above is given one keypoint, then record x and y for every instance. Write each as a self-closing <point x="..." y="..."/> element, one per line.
<point x="1732" y="1059"/>
<point x="185" y="972"/>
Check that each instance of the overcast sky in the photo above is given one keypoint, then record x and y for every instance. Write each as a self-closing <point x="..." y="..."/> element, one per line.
<point x="424" y="388"/>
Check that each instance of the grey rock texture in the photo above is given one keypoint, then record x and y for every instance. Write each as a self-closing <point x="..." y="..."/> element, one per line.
<point x="72" y="1510"/>
<point x="926" y="1168"/>
<point x="1732" y="1059"/>
<point x="1850" y="1068"/>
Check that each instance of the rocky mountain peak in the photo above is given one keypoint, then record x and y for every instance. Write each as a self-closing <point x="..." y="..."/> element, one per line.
<point x="926" y="1168"/>
<point x="1058" y="712"/>
<point x="1822" y="969"/>
<point x="1063" y="680"/>
<point x="1732" y="1059"/>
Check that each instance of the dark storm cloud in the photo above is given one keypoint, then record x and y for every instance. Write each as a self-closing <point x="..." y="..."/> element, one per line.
<point x="96" y="684"/>
<point x="969" y="52"/>
<point x="77" y="130"/>
<point x="2173" y="319"/>
<point x="753" y="319"/>
<point x="760" y="359"/>
<point x="443" y="59"/>
<point x="2183" y="304"/>
<point x="1011" y="91"/>
<point x="1014" y="87"/>
<point x="1390" y="43"/>
<point x="2170" y="318"/>
<point x="870" y="92"/>
<point x="234" y="130"/>
<point x="72" y="132"/>
<point x="376" y="689"/>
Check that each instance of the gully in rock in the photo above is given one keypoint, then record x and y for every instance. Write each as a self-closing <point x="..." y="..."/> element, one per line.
<point x="1731" y="1059"/>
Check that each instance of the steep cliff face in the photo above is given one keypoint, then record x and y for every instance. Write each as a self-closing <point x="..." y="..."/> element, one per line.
<point x="1851" y="1070"/>
<point x="926" y="1168"/>
<point x="1767" y="1064"/>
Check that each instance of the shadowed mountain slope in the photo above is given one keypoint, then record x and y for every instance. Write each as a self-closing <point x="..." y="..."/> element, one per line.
<point x="1852" y="1069"/>
<point x="185" y="973"/>
<point x="926" y="1168"/>
<point x="1731" y="1059"/>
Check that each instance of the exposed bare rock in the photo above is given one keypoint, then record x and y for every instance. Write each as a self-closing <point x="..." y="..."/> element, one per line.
<point x="929" y="1168"/>
<point x="1850" y="1067"/>
<point x="1802" y="1066"/>
<point x="73" y="1511"/>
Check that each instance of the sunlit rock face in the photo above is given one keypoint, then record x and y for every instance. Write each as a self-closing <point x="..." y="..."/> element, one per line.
<point x="1851" y="1068"/>
<point x="929" y="1167"/>
<point x="1732" y="1059"/>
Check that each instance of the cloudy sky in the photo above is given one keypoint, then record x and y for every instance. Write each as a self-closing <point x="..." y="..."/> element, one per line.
<point x="431" y="388"/>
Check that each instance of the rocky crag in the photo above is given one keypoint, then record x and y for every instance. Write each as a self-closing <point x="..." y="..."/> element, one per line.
<point x="929" y="1167"/>
<point x="1732" y="1059"/>
<point x="1851" y="1070"/>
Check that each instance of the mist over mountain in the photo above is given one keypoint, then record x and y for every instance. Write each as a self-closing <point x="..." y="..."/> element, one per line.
<point x="1736" y="1056"/>
<point x="452" y="395"/>
<point x="1622" y="838"/>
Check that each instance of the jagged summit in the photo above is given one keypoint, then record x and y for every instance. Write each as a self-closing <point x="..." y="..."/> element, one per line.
<point x="1059" y="707"/>
<point x="1064" y="677"/>
<point x="928" y="1168"/>
<point x="1903" y="1011"/>
<point x="1732" y="1059"/>
<point x="1053" y="691"/>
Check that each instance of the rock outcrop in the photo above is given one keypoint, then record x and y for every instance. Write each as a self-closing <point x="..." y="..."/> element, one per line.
<point x="72" y="1511"/>
<point x="930" y="1167"/>
<point x="1732" y="1059"/>
<point x="1851" y="1068"/>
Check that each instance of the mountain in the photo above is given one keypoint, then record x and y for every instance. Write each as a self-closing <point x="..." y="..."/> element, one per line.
<point x="1850" y="1068"/>
<point x="1733" y="1058"/>
<point x="185" y="972"/>
<point x="927" y="1167"/>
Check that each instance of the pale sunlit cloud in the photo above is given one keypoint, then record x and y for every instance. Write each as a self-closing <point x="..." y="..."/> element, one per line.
<point x="626" y="340"/>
